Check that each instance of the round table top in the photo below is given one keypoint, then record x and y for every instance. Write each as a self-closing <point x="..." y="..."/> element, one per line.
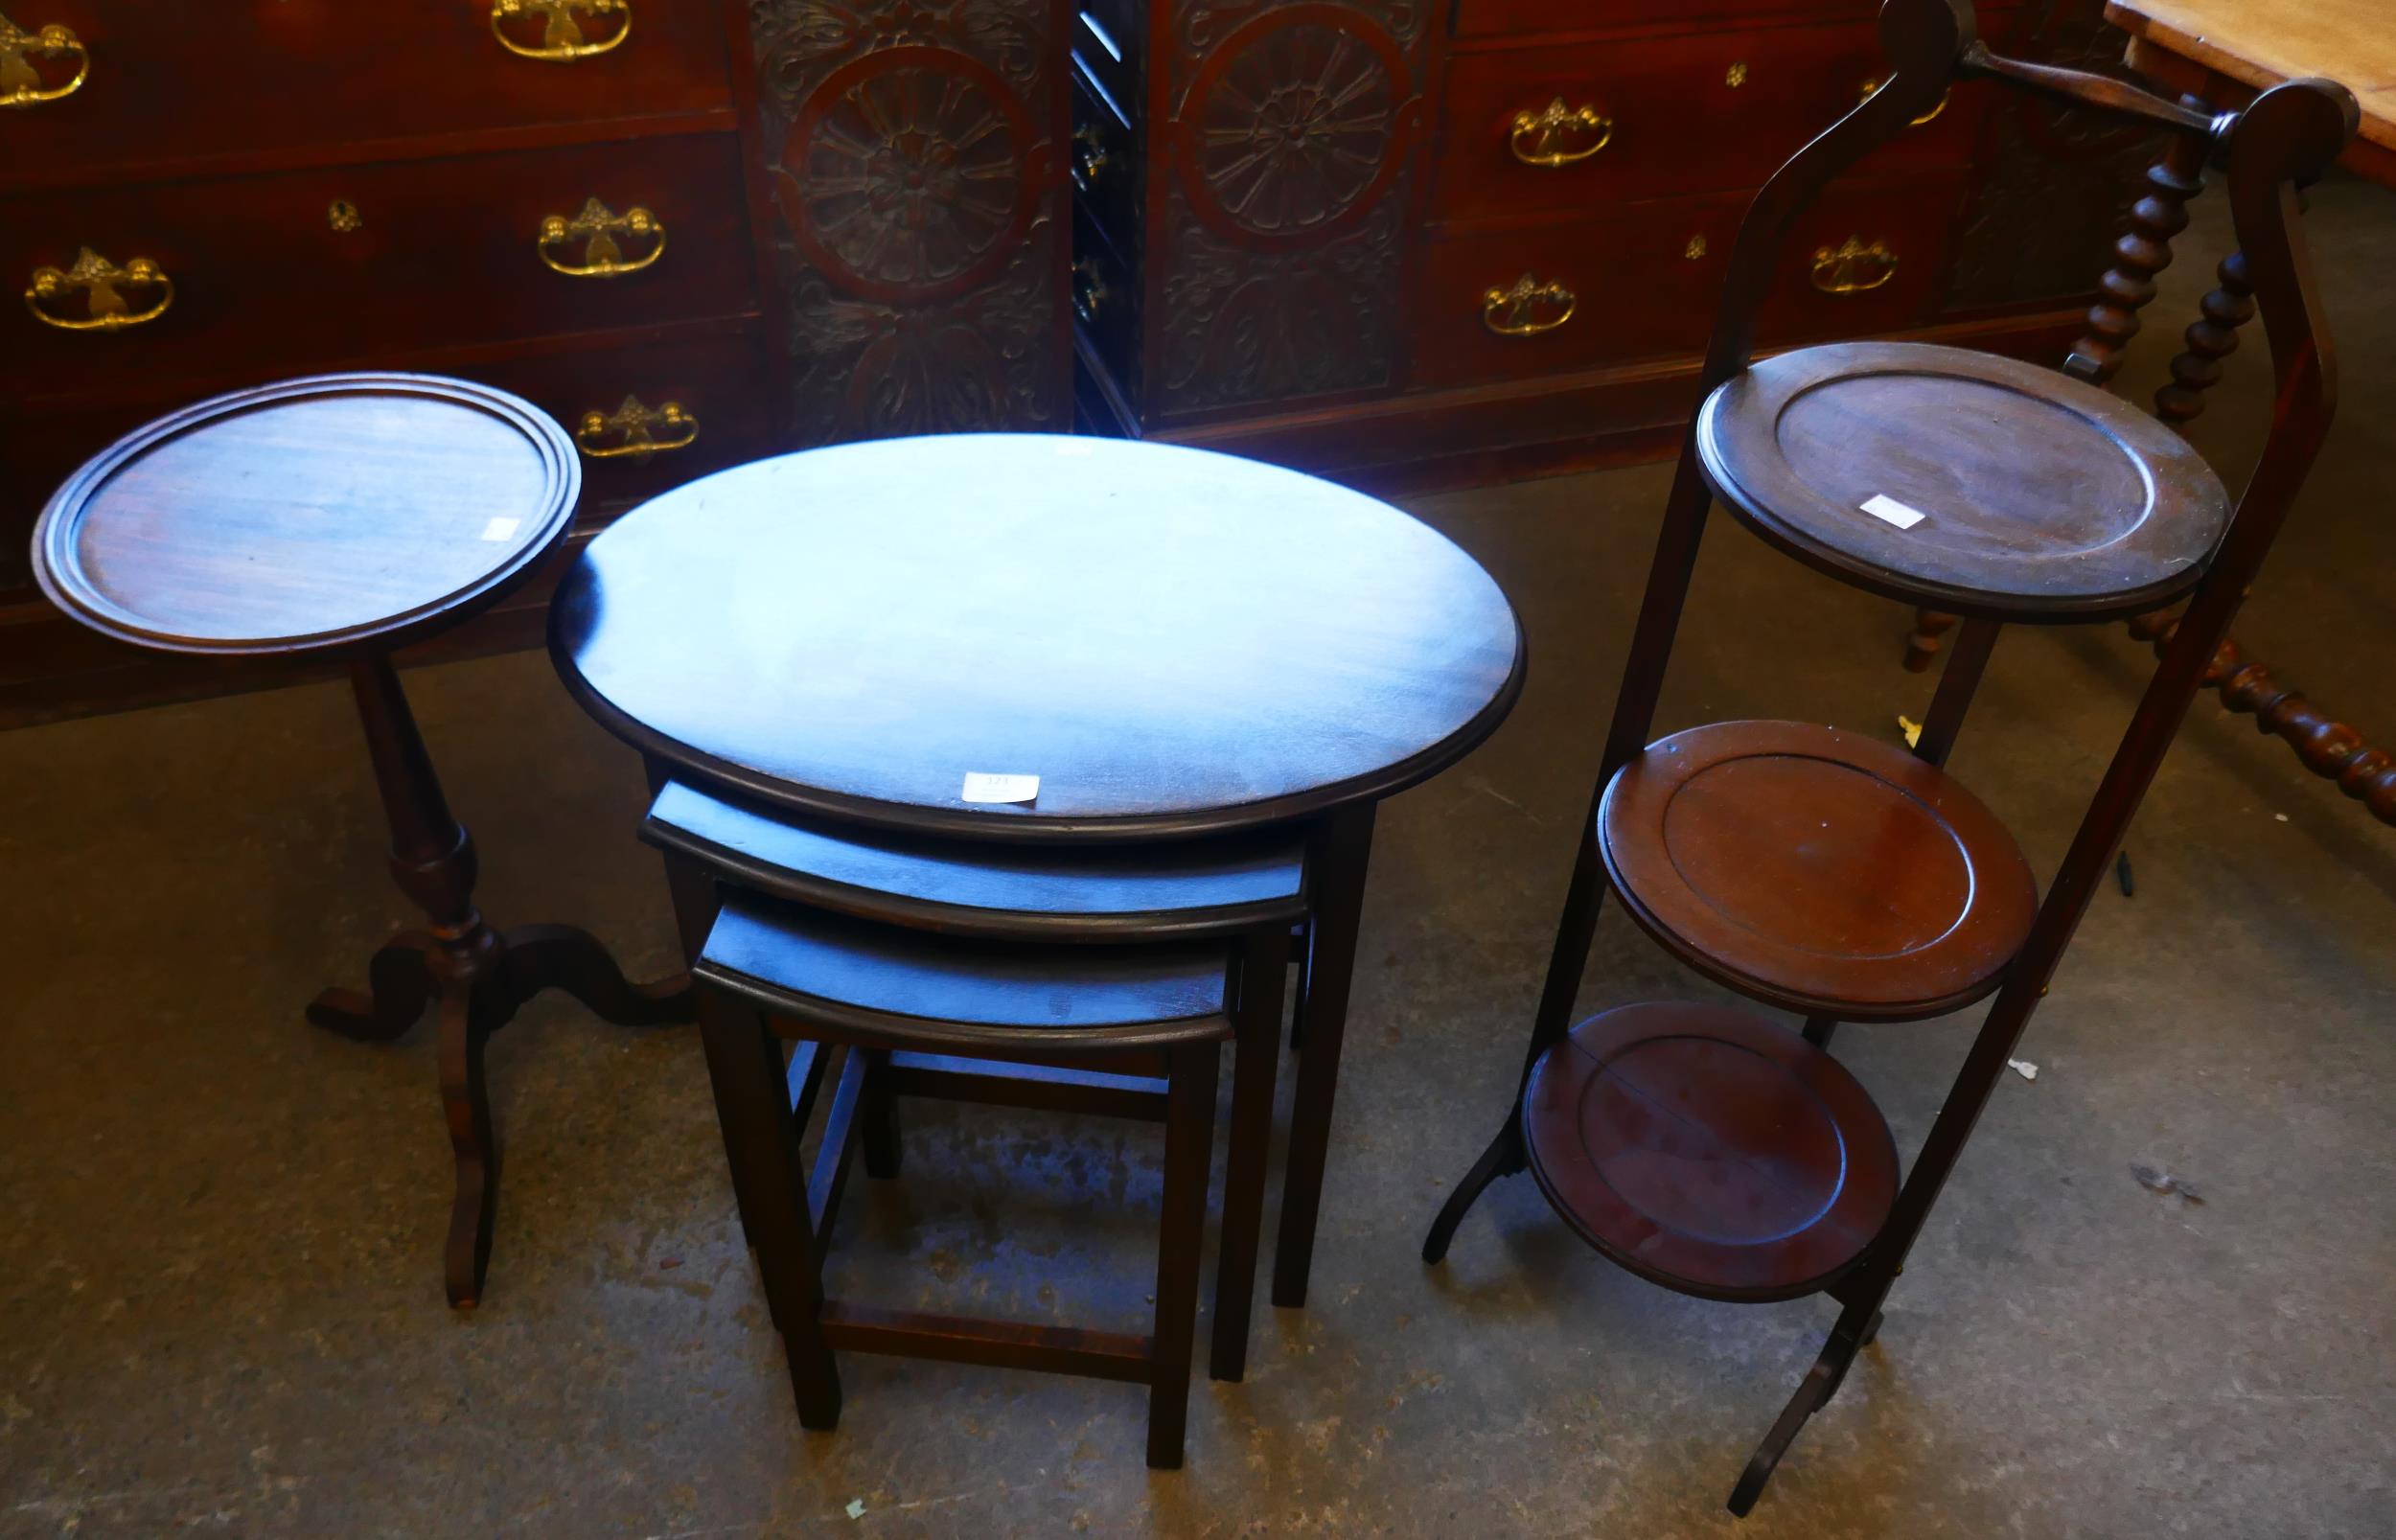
<point x="1172" y="641"/>
<point x="336" y="512"/>
<point x="1983" y="485"/>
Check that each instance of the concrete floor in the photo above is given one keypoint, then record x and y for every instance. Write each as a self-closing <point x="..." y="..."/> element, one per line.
<point x="221" y="1306"/>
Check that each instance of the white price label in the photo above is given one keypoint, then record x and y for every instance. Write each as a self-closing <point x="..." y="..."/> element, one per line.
<point x="980" y="785"/>
<point x="1889" y="511"/>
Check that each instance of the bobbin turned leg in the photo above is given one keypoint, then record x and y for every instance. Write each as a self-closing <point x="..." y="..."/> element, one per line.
<point x="1930" y="624"/>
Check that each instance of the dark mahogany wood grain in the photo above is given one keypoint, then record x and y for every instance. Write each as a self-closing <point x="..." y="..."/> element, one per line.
<point x="1644" y="276"/>
<point x="1844" y="867"/>
<point x="1824" y="872"/>
<point x="1174" y="642"/>
<point x="901" y="989"/>
<point x="1083" y="1350"/>
<point x="194" y="87"/>
<point x="334" y="514"/>
<point x="1680" y="124"/>
<point x="1475" y="19"/>
<point x="1710" y="1149"/>
<point x="263" y="277"/>
<point x="336" y="186"/>
<point x="2044" y="498"/>
<point x="951" y="1077"/>
<point x="340" y="517"/>
<point x="873" y="989"/>
<point x="1348" y="340"/>
<point x="1116" y="893"/>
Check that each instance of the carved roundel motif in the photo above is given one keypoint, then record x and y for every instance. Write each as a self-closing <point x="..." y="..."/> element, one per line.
<point x="911" y="174"/>
<point x="1295" y="123"/>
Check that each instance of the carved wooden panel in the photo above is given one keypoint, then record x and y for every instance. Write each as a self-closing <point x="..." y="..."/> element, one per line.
<point x="2056" y="184"/>
<point x="1290" y="130"/>
<point x="913" y="152"/>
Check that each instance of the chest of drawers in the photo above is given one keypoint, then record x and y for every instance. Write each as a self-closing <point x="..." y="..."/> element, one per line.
<point x="1404" y="242"/>
<point x="694" y="231"/>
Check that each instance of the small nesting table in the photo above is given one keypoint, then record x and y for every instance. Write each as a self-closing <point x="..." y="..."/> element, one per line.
<point x="1176" y="644"/>
<point x="339" y="518"/>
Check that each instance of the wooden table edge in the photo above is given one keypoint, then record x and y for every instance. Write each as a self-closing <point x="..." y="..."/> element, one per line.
<point x="2186" y="63"/>
<point x="962" y="822"/>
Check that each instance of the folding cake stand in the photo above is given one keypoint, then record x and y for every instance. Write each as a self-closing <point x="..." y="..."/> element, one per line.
<point x="1710" y="1148"/>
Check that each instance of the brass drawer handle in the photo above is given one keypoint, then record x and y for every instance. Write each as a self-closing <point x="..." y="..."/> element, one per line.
<point x="1514" y="311"/>
<point x="1872" y="86"/>
<point x="562" y="37"/>
<point x="1089" y="291"/>
<point x="1854" y="267"/>
<point x="1544" y="138"/>
<point x="1089" y="156"/>
<point x="639" y="432"/>
<point x="602" y="231"/>
<point x="20" y="83"/>
<point x="98" y="279"/>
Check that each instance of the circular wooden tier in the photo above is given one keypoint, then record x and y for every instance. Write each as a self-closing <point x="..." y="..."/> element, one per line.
<point x="1710" y="1149"/>
<point x="1818" y="870"/>
<point x="2040" y="498"/>
<point x="340" y="512"/>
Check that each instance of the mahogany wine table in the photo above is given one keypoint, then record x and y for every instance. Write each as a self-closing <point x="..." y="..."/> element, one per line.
<point x="343" y="517"/>
<point x="1177" y="644"/>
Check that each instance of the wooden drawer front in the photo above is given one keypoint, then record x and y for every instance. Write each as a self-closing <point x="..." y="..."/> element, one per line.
<point x="1525" y="18"/>
<point x="719" y="384"/>
<point x="1668" y="118"/>
<point x="268" y="270"/>
<point x="1644" y="280"/>
<point x="1106" y="164"/>
<point x="182" y="82"/>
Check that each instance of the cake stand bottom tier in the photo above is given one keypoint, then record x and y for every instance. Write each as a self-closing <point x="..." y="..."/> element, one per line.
<point x="1710" y="1149"/>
